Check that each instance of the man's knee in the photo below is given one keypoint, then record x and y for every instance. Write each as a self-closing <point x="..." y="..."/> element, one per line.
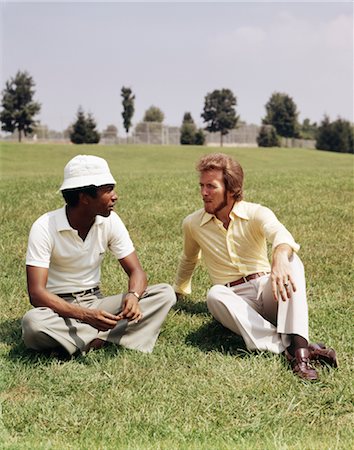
<point x="33" y="328"/>
<point x="168" y="294"/>
<point x="297" y="263"/>
<point x="214" y="296"/>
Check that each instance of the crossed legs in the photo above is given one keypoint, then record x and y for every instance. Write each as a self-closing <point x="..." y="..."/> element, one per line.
<point x="43" y="329"/>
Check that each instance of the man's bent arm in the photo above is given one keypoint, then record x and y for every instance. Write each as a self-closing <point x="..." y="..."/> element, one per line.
<point x="274" y="231"/>
<point x="41" y="297"/>
<point x="136" y="287"/>
<point x="188" y="261"/>
<point x="283" y="247"/>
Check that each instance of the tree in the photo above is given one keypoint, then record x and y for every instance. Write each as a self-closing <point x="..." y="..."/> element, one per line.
<point x="267" y="137"/>
<point x="84" y="129"/>
<point x="189" y="133"/>
<point x="282" y="114"/>
<point x="78" y="134"/>
<point x="92" y="135"/>
<point x="187" y="118"/>
<point x="18" y="106"/>
<point x="188" y="130"/>
<point x="219" y="112"/>
<point x="337" y="136"/>
<point x="199" y="138"/>
<point x="128" y="107"/>
<point x="343" y="139"/>
<point x="153" y="114"/>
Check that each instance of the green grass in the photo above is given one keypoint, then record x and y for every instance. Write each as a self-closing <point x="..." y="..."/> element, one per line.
<point x="199" y="389"/>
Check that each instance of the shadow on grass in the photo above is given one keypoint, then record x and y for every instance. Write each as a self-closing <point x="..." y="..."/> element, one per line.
<point x="11" y="335"/>
<point x="214" y="337"/>
<point x="191" y="307"/>
<point x="10" y="331"/>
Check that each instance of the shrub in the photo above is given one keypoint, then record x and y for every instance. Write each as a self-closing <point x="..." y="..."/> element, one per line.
<point x="337" y="136"/>
<point x="267" y="137"/>
<point x="199" y="138"/>
<point x="83" y="130"/>
<point x="189" y="133"/>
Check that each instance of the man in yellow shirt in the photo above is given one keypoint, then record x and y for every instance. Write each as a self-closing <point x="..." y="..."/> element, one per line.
<point x="264" y="303"/>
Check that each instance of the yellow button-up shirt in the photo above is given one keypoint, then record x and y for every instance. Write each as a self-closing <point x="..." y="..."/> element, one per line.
<point x="233" y="253"/>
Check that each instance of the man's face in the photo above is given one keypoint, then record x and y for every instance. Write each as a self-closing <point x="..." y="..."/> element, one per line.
<point x="212" y="189"/>
<point x="104" y="203"/>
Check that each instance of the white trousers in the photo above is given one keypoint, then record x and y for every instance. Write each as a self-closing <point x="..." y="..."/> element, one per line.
<point x="250" y="311"/>
<point x="44" y="329"/>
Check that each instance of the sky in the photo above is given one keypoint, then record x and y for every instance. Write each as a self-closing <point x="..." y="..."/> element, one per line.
<point x="173" y="54"/>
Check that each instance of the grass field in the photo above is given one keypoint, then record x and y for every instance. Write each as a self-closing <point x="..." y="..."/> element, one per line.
<point x="199" y="389"/>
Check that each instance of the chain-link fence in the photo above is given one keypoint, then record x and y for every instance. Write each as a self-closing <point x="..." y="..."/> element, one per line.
<point x="153" y="133"/>
<point x="244" y="135"/>
<point x="299" y="143"/>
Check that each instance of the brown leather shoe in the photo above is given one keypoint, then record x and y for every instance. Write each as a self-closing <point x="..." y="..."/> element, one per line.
<point x="300" y="364"/>
<point x="319" y="352"/>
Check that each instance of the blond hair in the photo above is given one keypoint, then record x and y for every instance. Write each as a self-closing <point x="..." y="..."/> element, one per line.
<point x="231" y="169"/>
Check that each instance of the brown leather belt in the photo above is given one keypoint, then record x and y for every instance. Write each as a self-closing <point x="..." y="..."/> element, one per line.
<point x="252" y="276"/>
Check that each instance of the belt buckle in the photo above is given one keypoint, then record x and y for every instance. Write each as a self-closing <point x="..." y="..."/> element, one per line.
<point x="78" y="294"/>
<point x="85" y="292"/>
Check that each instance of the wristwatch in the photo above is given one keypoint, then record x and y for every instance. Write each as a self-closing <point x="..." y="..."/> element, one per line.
<point x="135" y="294"/>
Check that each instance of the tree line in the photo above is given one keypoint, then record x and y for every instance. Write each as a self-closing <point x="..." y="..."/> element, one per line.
<point x="219" y="115"/>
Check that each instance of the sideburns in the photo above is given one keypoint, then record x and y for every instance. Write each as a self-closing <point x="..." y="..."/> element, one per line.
<point x="223" y="204"/>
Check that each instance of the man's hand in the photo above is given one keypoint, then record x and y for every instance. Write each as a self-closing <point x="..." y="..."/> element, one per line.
<point x="282" y="281"/>
<point x="99" y="319"/>
<point x="37" y="279"/>
<point x="131" y="308"/>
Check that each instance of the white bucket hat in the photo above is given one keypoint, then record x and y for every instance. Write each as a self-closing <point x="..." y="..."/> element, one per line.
<point x="86" y="170"/>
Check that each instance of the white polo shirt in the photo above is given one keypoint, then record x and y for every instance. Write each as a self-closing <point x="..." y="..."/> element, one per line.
<point x="75" y="265"/>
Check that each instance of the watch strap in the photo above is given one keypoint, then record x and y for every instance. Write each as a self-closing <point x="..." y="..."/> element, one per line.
<point x="135" y="294"/>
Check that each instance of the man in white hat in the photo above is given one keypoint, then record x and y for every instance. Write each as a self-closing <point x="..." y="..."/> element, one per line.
<point x="64" y="255"/>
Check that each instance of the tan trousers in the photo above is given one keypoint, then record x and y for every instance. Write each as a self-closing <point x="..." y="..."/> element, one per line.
<point x="42" y="328"/>
<point x="250" y="310"/>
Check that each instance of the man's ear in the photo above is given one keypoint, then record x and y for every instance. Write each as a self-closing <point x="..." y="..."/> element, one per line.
<point x="84" y="198"/>
<point x="230" y="196"/>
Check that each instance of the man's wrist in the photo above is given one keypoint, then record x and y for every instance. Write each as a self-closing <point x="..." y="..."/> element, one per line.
<point x="284" y="248"/>
<point x="136" y="295"/>
<point x="82" y="314"/>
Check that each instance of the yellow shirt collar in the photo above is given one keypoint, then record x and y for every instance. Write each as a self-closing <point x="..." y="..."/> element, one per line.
<point x="239" y="210"/>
